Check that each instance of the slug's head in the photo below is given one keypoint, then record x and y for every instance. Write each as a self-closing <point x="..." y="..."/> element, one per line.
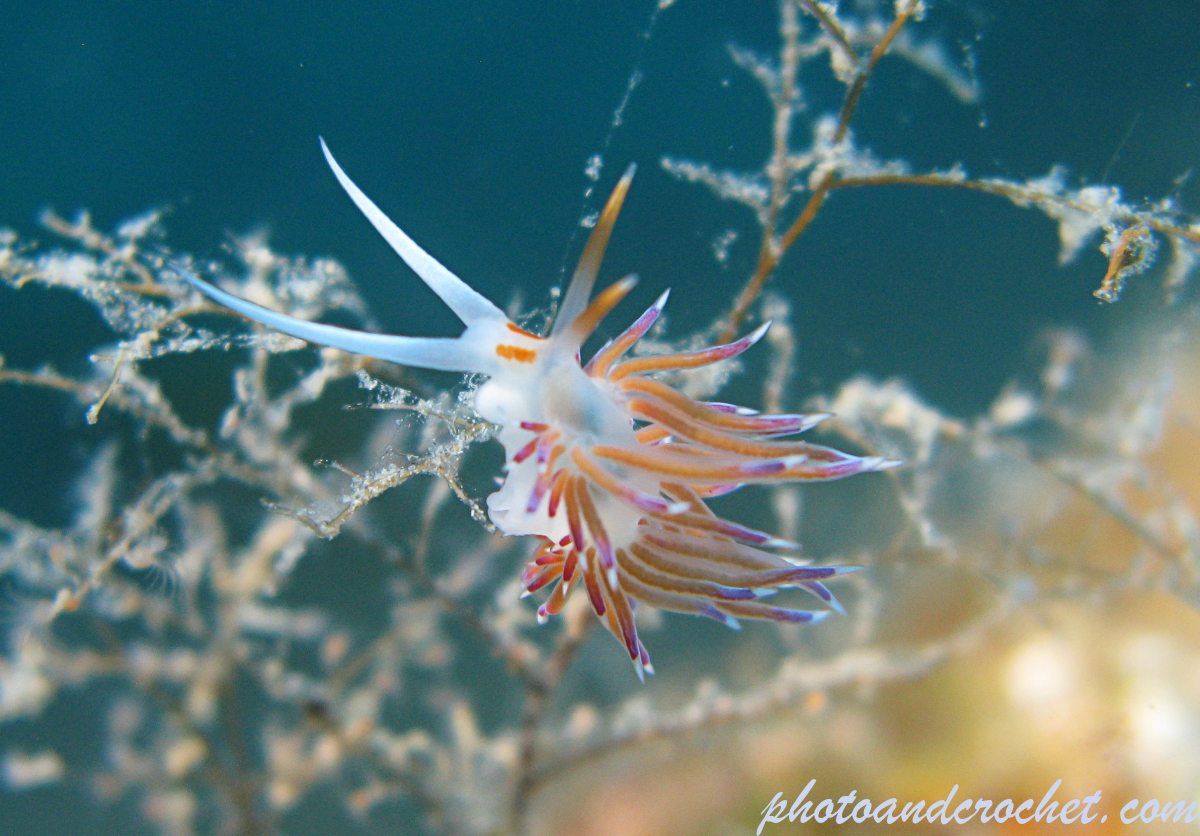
<point x="491" y="344"/>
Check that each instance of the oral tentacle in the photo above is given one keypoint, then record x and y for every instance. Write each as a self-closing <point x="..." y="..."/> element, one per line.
<point x="451" y="354"/>
<point x="468" y="304"/>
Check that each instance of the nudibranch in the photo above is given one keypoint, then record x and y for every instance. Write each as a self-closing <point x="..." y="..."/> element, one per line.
<point x="608" y="466"/>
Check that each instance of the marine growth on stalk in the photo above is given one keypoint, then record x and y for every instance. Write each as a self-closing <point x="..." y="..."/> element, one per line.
<point x="606" y="465"/>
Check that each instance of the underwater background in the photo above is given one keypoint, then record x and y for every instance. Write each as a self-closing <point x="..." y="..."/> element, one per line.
<point x="472" y="125"/>
<point x="473" y="128"/>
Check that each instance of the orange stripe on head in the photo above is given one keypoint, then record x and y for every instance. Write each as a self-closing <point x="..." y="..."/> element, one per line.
<point x="516" y="329"/>
<point x="514" y="352"/>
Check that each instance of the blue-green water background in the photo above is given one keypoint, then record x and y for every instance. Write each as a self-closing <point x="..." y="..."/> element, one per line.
<point x="471" y="124"/>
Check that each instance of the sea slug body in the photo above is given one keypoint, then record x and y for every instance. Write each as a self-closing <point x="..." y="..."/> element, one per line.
<point x="608" y="466"/>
